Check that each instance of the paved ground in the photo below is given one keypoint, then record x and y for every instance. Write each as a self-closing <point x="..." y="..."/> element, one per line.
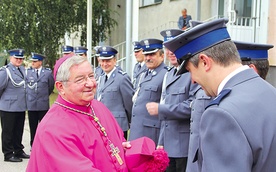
<point x="20" y="166"/>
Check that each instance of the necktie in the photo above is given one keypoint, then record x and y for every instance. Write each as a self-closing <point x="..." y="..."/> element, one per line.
<point x="20" y="72"/>
<point x="37" y="74"/>
<point x="105" y="78"/>
<point x="148" y="72"/>
<point x="139" y="67"/>
<point x="174" y="72"/>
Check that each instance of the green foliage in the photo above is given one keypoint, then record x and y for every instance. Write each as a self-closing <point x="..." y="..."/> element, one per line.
<point x="40" y="25"/>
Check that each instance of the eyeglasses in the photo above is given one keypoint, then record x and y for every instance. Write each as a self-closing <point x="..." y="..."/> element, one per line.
<point x="82" y="79"/>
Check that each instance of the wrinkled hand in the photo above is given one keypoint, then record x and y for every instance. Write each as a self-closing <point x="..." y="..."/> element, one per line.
<point x="152" y="108"/>
<point x="126" y="145"/>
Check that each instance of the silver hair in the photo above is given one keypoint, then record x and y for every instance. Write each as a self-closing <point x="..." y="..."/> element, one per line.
<point x="224" y="53"/>
<point x="63" y="73"/>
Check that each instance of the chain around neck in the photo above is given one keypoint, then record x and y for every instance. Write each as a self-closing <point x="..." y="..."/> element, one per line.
<point x="93" y="115"/>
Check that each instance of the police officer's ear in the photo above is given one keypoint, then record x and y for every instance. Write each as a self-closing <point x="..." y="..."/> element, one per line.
<point x="205" y="61"/>
<point x="253" y="67"/>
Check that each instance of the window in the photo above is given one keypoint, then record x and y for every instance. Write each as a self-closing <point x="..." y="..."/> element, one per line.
<point x="149" y="2"/>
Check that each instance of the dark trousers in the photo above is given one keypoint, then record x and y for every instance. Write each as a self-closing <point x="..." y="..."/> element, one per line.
<point x="12" y="124"/>
<point x="125" y="135"/>
<point x="34" y="118"/>
<point x="177" y="165"/>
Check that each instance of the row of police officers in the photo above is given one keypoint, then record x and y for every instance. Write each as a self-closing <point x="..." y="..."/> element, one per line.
<point x="164" y="103"/>
<point x="25" y="89"/>
<point x="20" y="90"/>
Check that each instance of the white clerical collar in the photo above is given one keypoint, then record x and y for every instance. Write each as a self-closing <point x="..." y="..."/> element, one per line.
<point x="228" y="77"/>
<point x="109" y="74"/>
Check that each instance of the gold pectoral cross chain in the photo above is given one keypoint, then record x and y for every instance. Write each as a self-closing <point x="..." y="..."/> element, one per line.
<point x="114" y="150"/>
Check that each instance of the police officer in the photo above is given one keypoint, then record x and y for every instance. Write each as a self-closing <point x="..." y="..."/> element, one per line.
<point x="40" y="84"/>
<point x="98" y="71"/>
<point x="115" y="89"/>
<point x="198" y="105"/>
<point x="174" y="110"/>
<point x="140" y="66"/>
<point x="255" y="56"/>
<point x="13" y="106"/>
<point x="80" y="50"/>
<point x="67" y="49"/>
<point x="149" y="90"/>
<point x="237" y="129"/>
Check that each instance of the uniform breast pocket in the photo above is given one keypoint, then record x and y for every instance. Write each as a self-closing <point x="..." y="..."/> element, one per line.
<point x="10" y="98"/>
<point x="151" y="92"/>
<point x="112" y="93"/>
<point x="44" y="83"/>
<point x="179" y="94"/>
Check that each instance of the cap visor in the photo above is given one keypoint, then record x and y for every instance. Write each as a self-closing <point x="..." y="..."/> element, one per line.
<point x="106" y="57"/>
<point x="19" y="57"/>
<point x="137" y="50"/>
<point x="34" y="60"/>
<point x="182" y="68"/>
<point x="151" y="51"/>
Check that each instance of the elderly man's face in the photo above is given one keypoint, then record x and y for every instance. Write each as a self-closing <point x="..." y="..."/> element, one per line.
<point x="153" y="60"/>
<point x="81" y="86"/>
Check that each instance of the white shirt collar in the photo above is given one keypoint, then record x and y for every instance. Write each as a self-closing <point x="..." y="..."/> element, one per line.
<point x="142" y="64"/>
<point x="39" y="69"/>
<point x="228" y="77"/>
<point x="109" y="74"/>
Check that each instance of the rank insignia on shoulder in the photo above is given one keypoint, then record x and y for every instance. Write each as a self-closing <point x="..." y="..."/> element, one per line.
<point x="113" y="74"/>
<point x="168" y="68"/>
<point x="3" y="67"/>
<point x="219" y="98"/>
<point x="122" y="72"/>
<point x="48" y="69"/>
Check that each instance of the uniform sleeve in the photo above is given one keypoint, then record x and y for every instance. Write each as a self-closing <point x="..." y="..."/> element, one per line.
<point x="180" y="110"/>
<point x="51" y="83"/>
<point x="127" y="91"/>
<point x="224" y="146"/>
<point x="179" y="23"/>
<point x="4" y="81"/>
<point x="161" y="138"/>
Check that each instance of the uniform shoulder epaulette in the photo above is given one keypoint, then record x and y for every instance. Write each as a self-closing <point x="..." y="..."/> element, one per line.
<point x="168" y="68"/>
<point x="30" y="68"/>
<point x="48" y="69"/>
<point x="122" y="72"/>
<point x="3" y="67"/>
<point x="219" y="98"/>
